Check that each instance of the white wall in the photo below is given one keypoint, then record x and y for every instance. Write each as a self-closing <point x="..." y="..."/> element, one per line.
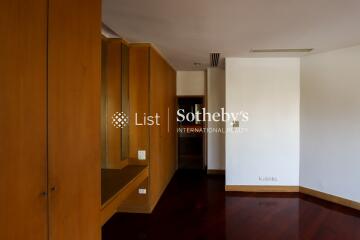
<point x="215" y="101"/>
<point x="330" y="123"/>
<point x="190" y="83"/>
<point x="267" y="88"/>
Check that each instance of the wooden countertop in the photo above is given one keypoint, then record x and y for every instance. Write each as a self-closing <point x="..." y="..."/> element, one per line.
<point x="116" y="185"/>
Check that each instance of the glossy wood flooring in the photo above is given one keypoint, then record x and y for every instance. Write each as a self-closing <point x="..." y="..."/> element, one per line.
<point x="195" y="206"/>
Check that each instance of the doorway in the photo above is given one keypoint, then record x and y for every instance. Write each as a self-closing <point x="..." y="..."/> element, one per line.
<point x="191" y="137"/>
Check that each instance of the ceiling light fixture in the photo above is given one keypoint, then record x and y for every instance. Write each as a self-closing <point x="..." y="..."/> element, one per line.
<point x="284" y="50"/>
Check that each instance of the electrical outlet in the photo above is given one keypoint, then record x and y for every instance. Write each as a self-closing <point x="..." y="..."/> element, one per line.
<point x="142" y="190"/>
<point x="141" y="155"/>
<point x="268" y="179"/>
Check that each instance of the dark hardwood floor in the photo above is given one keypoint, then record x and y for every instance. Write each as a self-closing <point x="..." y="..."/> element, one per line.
<point x="195" y="206"/>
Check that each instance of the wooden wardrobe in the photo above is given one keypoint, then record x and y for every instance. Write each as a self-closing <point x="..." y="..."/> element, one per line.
<point x="50" y="119"/>
<point x="152" y="90"/>
<point x="137" y="81"/>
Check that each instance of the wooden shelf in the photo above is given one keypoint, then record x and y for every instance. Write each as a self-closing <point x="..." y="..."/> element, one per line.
<point x="117" y="185"/>
<point x="137" y="203"/>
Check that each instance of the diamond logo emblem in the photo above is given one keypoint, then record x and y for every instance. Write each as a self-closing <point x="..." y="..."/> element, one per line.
<point x="120" y="120"/>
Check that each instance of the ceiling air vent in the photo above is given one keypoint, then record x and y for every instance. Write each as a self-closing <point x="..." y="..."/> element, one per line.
<point x="282" y="50"/>
<point x="214" y="59"/>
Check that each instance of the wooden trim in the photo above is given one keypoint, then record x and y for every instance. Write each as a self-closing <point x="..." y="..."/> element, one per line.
<point x="151" y="45"/>
<point x="255" y="188"/>
<point x="190" y="96"/>
<point x="331" y="198"/>
<point x="216" y="172"/>
<point x="139" y="44"/>
<point x="111" y="207"/>
<point x="308" y="191"/>
<point x="115" y="40"/>
<point x="205" y="136"/>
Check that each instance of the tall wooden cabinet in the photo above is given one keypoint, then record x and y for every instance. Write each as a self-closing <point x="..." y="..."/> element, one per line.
<point x="152" y="90"/>
<point x="50" y="119"/>
<point x="162" y="101"/>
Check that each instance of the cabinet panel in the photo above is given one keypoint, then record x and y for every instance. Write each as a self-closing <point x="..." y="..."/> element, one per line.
<point x="23" y="213"/>
<point x="162" y="138"/>
<point x="139" y="100"/>
<point x="111" y="74"/>
<point x="74" y="119"/>
<point x="158" y="147"/>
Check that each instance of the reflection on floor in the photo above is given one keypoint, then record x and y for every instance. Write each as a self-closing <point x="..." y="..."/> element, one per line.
<point x="195" y="206"/>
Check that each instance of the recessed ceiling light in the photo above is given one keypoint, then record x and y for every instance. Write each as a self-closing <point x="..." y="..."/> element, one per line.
<point x="282" y="50"/>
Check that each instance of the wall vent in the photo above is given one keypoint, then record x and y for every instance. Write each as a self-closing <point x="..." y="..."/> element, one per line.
<point x="214" y="59"/>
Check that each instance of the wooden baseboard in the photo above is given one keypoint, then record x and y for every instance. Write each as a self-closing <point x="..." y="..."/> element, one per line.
<point x="321" y="195"/>
<point x="331" y="198"/>
<point x="216" y="172"/>
<point x="253" y="188"/>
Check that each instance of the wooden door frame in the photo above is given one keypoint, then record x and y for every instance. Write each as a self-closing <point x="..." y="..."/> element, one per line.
<point x="204" y="100"/>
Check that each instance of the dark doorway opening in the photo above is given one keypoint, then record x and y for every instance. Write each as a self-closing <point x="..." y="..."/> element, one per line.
<point x="190" y="133"/>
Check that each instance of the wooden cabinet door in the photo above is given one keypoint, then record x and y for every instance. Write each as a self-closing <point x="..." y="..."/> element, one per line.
<point x="112" y="83"/>
<point x="23" y="207"/>
<point x="74" y="54"/>
<point x="162" y="152"/>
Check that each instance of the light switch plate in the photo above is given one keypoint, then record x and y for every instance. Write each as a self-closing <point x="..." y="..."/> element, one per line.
<point x="236" y="124"/>
<point x="142" y="191"/>
<point x="142" y="155"/>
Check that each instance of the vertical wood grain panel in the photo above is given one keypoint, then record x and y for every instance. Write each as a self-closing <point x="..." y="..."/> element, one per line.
<point x="74" y="119"/>
<point x="23" y="213"/>
<point x="103" y="111"/>
<point x="157" y="102"/>
<point x="125" y="98"/>
<point x="139" y="100"/>
<point x="112" y="68"/>
<point x="162" y="138"/>
<point x="172" y="121"/>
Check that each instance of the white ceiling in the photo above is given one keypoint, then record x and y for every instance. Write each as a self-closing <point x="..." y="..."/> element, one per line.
<point x="186" y="31"/>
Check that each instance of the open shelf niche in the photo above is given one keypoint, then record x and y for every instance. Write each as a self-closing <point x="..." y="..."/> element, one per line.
<point x="121" y="175"/>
